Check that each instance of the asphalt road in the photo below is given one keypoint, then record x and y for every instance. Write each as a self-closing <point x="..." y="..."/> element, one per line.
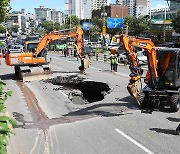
<point x="50" y="123"/>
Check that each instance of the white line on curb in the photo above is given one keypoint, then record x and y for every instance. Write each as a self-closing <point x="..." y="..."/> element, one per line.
<point x="63" y="93"/>
<point x="134" y="141"/>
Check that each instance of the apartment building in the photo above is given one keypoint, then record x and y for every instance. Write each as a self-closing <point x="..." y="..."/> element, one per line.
<point x="136" y="7"/>
<point x="56" y="16"/>
<point x="42" y="13"/>
<point x="17" y="18"/>
<point x="142" y="7"/>
<point x="83" y="8"/>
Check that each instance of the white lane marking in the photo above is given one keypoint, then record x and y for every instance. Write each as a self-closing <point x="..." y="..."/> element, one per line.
<point x="95" y="68"/>
<point x="63" y="93"/>
<point x="134" y="141"/>
<point x="75" y="63"/>
<point x="59" y="68"/>
<point x="46" y="143"/>
<point x="36" y="141"/>
<point x="51" y="143"/>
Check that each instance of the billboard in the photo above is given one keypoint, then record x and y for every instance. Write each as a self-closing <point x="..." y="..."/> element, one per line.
<point x="114" y="22"/>
<point x="86" y="25"/>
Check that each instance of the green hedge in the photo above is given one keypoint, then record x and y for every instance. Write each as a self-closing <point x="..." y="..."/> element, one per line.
<point x="5" y="121"/>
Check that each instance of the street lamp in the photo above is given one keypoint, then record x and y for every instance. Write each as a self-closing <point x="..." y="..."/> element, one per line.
<point x="104" y="14"/>
<point x="164" y="35"/>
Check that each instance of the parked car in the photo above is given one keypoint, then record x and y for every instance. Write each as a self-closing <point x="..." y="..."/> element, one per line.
<point x="141" y="57"/>
<point x="122" y="57"/>
<point x="89" y="50"/>
<point x="3" y="38"/>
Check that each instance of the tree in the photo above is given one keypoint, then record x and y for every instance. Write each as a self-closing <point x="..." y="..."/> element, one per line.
<point x="2" y="29"/>
<point x="4" y="9"/>
<point x="57" y="26"/>
<point x="98" y="21"/>
<point x="14" y="28"/>
<point x="47" y="25"/>
<point x="95" y="31"/>
<point x="72" y="20"/>
<point x="137" y="26"/>
<point x="176" y="22"/>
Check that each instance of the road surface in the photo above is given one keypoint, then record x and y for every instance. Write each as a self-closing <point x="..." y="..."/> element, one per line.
<point x="50" y="123"/>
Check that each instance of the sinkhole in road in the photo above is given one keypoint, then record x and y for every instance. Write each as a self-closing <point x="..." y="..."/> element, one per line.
<point x="81" y="90"/>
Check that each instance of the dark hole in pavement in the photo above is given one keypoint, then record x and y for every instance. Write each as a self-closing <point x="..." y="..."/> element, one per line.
<point x="82" y="91"/>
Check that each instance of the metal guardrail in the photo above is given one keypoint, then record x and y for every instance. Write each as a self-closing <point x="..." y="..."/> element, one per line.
<point x="101" y="57"/>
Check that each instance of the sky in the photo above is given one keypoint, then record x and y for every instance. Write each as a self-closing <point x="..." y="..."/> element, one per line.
<point x="29" y="5"/>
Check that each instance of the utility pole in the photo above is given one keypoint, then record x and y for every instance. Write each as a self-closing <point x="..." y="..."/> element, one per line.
<point x="164" y="34"/>
<point x="104" y="14"/>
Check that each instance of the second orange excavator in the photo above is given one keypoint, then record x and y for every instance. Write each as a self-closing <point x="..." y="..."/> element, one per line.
<point x="34" y="65"/>
<point x="163" y="75"/>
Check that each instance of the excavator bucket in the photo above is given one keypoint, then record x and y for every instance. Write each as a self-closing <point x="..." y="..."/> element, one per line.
<point x="26" y="73"/>
<point x="133" y="90"/>
<point x="87" y="62"/>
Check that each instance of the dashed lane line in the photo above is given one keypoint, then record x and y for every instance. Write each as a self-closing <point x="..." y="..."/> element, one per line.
<point x="134" y="141"/>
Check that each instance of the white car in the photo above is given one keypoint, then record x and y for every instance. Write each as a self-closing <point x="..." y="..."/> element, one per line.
<point x="141" y="57"/>
<point x="122" y="57"/>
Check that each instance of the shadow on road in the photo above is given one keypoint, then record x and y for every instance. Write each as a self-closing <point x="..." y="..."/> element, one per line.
<point x="173" y="119"/>
<point x="10" y="76"/>
<point x="164" y="131"/>
<point x="20" y="118"/>
<point x="101" y="109"/>
<point x="127" y="99"/>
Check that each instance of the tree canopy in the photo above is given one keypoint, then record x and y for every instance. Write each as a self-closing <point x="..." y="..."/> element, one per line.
<point x="2" y="29"/>
<point x="176" y="22"/>
<point x="137" y="26"/>
<point x="4" y="9"/>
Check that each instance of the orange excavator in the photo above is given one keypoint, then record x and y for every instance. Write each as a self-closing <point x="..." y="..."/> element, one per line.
<point x="162" y="77"/>
<point x="34" y="64"/>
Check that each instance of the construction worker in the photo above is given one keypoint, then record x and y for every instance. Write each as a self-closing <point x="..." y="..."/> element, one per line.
<point x="115" y="62"/>
<point x="112" y="62"/>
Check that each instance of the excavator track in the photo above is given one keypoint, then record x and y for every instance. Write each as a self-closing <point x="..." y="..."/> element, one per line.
<point x="27" y="73"/>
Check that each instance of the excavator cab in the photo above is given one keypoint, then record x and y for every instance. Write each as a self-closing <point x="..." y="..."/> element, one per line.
<point x="166" y="88"/>
<point x="168" y="67"/>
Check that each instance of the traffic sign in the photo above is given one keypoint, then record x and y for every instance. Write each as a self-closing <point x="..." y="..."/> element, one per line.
<point x="86" y="25"/>
<point x="114" y="22"/>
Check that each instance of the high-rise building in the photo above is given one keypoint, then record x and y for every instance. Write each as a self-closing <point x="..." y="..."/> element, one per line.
<point x="174" y="5"/>
<point x="136" y="7"/>
<point x="17" y="18"/>
<point x="83" y="8"/>
<point x="97" y="4"/>
<point x="42" y="13"/>
<point x="56" y="16"/>
<point x="142" y="7"/>
<point x="131" y="4"/>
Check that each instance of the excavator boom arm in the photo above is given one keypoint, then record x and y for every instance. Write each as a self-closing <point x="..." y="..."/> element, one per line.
<point x="129" y="42"/>
<point x="56" y="35"/>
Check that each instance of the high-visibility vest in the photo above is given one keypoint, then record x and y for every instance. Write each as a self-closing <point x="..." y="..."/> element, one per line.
<point x="115" y="60"/>
<point x="112" y="60"/>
